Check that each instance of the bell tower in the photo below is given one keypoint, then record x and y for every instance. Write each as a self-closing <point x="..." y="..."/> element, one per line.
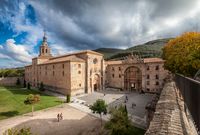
<point x="44" y="48"/>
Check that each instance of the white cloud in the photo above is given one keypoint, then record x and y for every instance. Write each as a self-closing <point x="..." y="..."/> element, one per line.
<point x="16" y="52"/>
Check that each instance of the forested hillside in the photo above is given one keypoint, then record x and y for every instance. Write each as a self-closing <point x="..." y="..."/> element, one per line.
<point x="149" y="49"/>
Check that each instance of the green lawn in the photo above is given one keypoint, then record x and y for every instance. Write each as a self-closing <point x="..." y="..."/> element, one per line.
<point x="12" y="101"/>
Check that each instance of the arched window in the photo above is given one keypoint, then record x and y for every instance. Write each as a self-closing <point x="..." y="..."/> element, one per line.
<point x="46" y="50"/>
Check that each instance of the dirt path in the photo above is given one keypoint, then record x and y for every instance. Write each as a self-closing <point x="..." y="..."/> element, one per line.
<point x="44" y="122"/>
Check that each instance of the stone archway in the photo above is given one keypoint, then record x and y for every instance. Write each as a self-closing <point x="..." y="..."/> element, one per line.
<point x="133" y="79"/>
<point x="96" y="82"/>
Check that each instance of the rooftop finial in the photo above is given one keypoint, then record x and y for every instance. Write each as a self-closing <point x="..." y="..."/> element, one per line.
<point x="45" y="37"/>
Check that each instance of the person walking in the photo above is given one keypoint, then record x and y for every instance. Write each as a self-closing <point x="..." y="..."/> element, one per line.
<point x="58" y="117"/>
<point x="61" y="116"/>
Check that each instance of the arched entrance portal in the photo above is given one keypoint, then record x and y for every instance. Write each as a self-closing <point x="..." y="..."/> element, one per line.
<point x="96" y="84"/>
<point x="133" y="79"/>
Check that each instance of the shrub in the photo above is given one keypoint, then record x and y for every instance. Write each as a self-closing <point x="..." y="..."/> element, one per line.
<point x="14" y="131"/>
<point x="68" y="98"/>
<point x="29" y="86"/>
<point x="120" y="124"/>
<point x="41" y="88"/>
<point x="24" y="83"/>
<point x="18" y="82"/>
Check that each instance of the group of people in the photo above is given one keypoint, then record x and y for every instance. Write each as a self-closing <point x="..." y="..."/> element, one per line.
<point x="59" y="117"/>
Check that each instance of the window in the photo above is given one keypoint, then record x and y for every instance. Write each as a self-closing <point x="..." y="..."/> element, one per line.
<point x="157" y="67"/>
<point x="148" y="83"/>
<point x="53" y="66"/>
<point x="46" y="50"/>
<point x="113" y="75"/>
<point x="46" y="72"/>
<point x="148" y="77"/>
<point x="148" y="68"/>
<point x="79" y="72"/>
<point x="157" y="77"/>
<point x="53" y="73"/>
<point x="79" y="65"/>
<point x="42" y="50"/>
<point x="119" y="68"/>
<point x="113" y="69"/>
<point x="157" y="83"/>
<point x="63" y="65"/>
<point x="63" y="73"/>
<point x="95" y="61"/>
<point x="119" y="75"/>
<point x="80" y="85"/>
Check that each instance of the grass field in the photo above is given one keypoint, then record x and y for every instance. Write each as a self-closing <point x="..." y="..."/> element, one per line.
<point x="12" y="101"/>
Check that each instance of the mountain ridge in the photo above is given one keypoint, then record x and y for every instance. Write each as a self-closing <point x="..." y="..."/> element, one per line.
<point x="149" y="49"/>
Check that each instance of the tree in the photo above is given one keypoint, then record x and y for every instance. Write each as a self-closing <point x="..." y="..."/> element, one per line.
<point x="24" y="83"/>
<point x="99" y="107"/>
<point x="28" y="86"/>
<point x="68" y="98"/>
<point x="182" y="54"/>
<point x="22" y="131"/>
<point x="41" y="88"/>
<point x="18" y="82"/>
<point x="31" y="100"/>
<point x="120" y="124"/>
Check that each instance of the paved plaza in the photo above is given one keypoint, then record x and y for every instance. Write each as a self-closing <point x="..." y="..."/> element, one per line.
<point x="135" y="104"/>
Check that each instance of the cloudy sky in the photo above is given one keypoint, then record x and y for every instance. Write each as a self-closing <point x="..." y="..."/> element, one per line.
<point x="73" y="25"/>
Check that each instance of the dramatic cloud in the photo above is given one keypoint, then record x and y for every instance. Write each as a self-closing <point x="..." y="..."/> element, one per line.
<point x="89" y="24"/>
<point x="86" y="24"/>
<point x="15" y="52"/>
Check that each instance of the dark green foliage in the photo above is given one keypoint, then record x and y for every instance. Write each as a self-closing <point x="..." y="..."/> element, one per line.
<point x="22" y="131"/>
<point x="126" y="109"/>
<point x="99" y="107"/>
<point x="68" y="98"/>
<point x="108" y="52"/>
<point x="24" y="83"/>
<point x="28" y="86"/>
<point x="149" y="49"/>
<point x="18" y="83"/>
<point x="17" y="72"/>
<point x="41" y="88"/>
<point x="120" y="124"/>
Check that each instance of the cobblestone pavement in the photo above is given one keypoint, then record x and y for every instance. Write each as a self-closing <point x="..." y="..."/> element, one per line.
<point x="135" y="104"/>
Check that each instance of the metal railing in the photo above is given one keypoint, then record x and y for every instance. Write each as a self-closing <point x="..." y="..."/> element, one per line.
<point x="190" y="90"/>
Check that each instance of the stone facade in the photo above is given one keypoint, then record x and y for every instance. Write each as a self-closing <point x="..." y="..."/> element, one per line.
<point x="134" y="73"/>
<point x="86" y="71"/>
<point x="76" y="73"/>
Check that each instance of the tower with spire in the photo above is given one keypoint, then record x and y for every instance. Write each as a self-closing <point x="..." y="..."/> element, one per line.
<point x="44" y="48"/>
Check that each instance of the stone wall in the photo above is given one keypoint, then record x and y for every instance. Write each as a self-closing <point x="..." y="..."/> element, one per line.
<point x="169" y="117"/>
<point x="10" y="81"/>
